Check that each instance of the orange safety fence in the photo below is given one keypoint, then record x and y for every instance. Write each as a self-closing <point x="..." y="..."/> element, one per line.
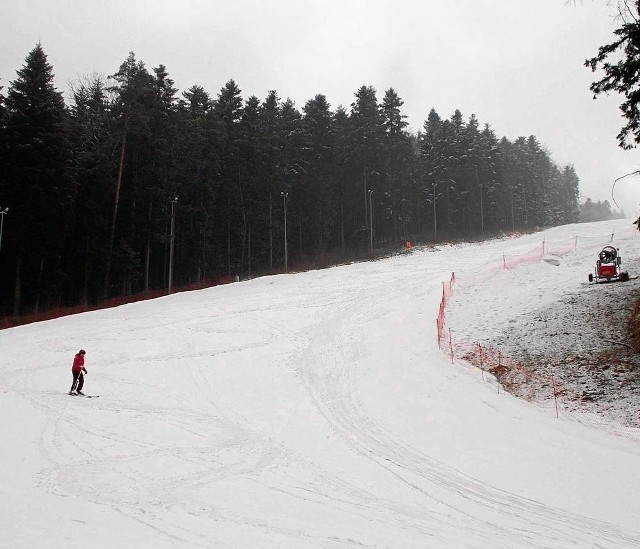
<point x="518" y="379"/>
<point x="534" y="255"/>
<point x="522" y="381"/>
<point x="447" y="290"/>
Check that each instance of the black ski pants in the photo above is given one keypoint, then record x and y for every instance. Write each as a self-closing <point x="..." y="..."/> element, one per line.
<point x="78" y="380"/>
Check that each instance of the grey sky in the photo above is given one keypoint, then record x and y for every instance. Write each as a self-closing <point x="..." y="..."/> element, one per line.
<point x="515" y="64"/>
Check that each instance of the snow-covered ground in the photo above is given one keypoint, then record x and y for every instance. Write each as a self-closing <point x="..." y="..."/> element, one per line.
<point x="314" y="410"/>
<point x="554" y="323"/>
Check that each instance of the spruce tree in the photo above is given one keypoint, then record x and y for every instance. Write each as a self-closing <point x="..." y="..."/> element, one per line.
<point x="339" y="161"/>
<point x="619" y="61"/>
<point x="365" y="145"/>
<point x="199" y="139"/>
<point x="318" y="224"/>
<point x="41" y="190"/>
<point x="228" y="108"/>
<point x="93" y="144"/>
<point x="271" y="150"/>
<point x="433" y="170"/>
<point x="397" y="155"/>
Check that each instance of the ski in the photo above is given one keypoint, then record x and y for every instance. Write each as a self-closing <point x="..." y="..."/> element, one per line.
<point x="83" y="396"/>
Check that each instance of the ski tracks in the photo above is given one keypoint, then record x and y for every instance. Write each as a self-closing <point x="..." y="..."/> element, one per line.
<point x="448" y="501"/>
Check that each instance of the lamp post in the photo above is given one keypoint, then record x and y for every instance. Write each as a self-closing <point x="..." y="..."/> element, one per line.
<point x="3" y="212"/>
<point x="173" y="202"/>
<point x="371" y="219"/>
<point x="435" y="218"/>
<point x="481" y="204"/>
<point x="286" y="253"/>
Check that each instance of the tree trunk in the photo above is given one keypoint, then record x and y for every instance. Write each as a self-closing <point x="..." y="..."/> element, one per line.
<point x="17" y="292"/>
<point x="147" y="257"/>
<point x="270" y="231"/>
<point x="107" y="270"/>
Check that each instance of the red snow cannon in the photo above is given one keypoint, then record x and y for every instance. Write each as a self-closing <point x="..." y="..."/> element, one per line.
<point x="608" y="267"/>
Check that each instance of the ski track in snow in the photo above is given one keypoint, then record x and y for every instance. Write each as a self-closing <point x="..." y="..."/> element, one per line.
<point x="335" y="391"/>
<point x="182" y="451"/>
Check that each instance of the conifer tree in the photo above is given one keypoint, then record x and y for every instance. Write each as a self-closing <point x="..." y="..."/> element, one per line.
<point x="94" y="145"/>
<point x="621" y="71"/>
<point x="198" y="140"/>
<point x="318" y="224"/>
<point x="339" y="162"/>
<point x="397" y="163"/>
<point x="293" y="168"/>
<point x="365" y="145"/>
<point x="42" y="191"/>
<point x="228" y="108"/>
<point x="249" y="177"/>
<point x="433" y="167"/>
<point x="271" y="150"/>
<point x="487" y="179"/>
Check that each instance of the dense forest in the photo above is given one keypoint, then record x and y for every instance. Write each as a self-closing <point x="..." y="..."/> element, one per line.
<point x="130" y="186"/>
<point x="598" y="211"/>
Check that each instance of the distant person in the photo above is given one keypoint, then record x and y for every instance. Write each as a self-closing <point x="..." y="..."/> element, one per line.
<point x="78" y="370"/>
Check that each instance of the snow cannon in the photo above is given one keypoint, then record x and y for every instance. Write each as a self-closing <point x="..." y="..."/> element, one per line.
<point x="608" y="267"/>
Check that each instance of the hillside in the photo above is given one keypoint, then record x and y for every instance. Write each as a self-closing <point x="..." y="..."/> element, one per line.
<point x="316" y="410"/>
<point x="585" y="336"/>
<point x="593" y="353"/>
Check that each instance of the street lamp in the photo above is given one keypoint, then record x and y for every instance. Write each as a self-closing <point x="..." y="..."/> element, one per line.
<point x="173" y="202"/>
<point x="435" y="218"/>
<point x="286" y="254"/>
<point x="481" y="203"/>
<point x="371" y="219"/>
<point x="3" y="212"/>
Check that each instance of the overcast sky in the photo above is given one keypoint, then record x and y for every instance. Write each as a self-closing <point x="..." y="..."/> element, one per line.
<point x="518" y="65"/>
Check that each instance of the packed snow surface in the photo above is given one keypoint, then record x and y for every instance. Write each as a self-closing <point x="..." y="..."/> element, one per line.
<point x="314" y="410"/>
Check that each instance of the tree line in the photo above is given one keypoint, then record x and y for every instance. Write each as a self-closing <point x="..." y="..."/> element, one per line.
<point x="598" y="211"/>
<point x="129" y="183"/>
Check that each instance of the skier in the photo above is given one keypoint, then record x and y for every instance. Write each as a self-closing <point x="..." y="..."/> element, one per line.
<point x="77" y="370"/>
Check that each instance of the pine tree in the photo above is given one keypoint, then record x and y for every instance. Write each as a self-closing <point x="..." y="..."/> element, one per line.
<point x="433" y="167"/>
<point x="397" y="163"/>
<point x="133" y="91"/>
<point x="41" y="190"/>
<point x="487" y="179"/>
<point x="293" y="169"/>
<point x="93" y="145"/>
<point x="364" y="146"/>
<point x="199" y="138"/>
<point x="271" y="150"/>
<point x="145" y="116"/>
<point x="249" y="176"/>
<point x="228" y="108"/>
<point x="621" y="71"/>
<point x="319" y="223"/>
<point x="2" y="113"/>
<point x="339" y="161"/>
